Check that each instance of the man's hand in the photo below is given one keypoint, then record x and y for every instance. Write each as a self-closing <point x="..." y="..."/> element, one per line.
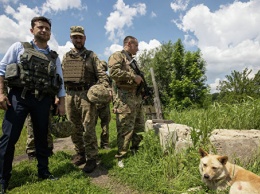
<point x="4" y="102"/>
<point x="138" y="79"/>
<point x="61" y="106"/>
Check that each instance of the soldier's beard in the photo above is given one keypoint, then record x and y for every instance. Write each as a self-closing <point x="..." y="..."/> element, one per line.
<point x="79" y="46"/>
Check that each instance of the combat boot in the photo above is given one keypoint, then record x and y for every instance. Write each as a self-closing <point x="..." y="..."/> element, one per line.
<point x="2" y="191"/>
<point x="79" y="159"/>
<point x="50" y="151"/>
<point x="105" y="146"/>
<point x="90" y="166"/>
<point x="3" y="186"/>
<point x="134" y="149"/>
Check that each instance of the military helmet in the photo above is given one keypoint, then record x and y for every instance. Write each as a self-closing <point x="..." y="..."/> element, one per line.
<point x="61" y="127"/>
<point x="98" y="94"/>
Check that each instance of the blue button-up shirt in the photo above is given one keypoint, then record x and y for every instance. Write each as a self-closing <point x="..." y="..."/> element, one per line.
<point x="13" y="56"/>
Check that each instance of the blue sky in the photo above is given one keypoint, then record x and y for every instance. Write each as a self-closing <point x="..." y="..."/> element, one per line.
<point x="226" y="31"/>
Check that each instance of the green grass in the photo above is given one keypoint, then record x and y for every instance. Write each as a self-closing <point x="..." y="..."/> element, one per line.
<point x="150" y="170"/>
<point x="72" y="179"/>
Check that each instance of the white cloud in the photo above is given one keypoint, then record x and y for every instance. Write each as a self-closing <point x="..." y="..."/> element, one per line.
<point x="15" y="25"/>
<point x="57" y="5"/>
<point x="229" y="38"/>
<point x="189" y="41"/>
<point x="213" y="86"/>
<point x="63" y="49"/>
<point x="122" y="17"/>
<point x="8" y="1"/>
<point x="148" y="46"/>
<point x="142" y="47"/>
<point x="113" y="48"/>
<point x="179" y="5"/>
<point x="153" y="15"/>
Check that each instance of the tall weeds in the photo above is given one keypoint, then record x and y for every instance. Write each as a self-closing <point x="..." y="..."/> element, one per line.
<point x="152" y="169"/>
<point x="221" y="116"/>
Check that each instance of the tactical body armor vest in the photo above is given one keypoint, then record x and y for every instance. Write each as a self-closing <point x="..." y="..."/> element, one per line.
<point x="78" y="69"/>
<point x="36" y="72"/>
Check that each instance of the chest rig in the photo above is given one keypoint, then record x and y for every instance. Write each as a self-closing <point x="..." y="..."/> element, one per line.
<point x="78" y="69"/>
<point x="36" y="73"/>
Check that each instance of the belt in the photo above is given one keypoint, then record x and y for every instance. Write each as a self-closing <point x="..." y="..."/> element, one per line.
<point x="132" y="90"/>
<point x="77" y="88"/>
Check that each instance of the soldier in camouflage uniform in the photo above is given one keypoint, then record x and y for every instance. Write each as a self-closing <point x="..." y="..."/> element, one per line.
<point x="30" y="146"/>
<point x="81" y="70"/>
<point x="103" y="112"/>
<point x="127" y="103"/>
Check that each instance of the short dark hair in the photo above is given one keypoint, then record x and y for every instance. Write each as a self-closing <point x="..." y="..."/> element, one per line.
<point x="40" y="18"/>
<point x="128" y="38"/>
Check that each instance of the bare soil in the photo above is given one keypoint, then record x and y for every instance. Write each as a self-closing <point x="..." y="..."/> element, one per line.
<point x="99" y="176"/>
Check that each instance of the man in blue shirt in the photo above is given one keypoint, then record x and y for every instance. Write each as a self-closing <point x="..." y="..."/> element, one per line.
<point x="29" y="93"/>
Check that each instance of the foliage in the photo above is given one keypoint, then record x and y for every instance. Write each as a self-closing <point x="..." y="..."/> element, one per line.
<point x="180" y="75"/>
<point x="72" y="180"/>
<point x="152" y="169"/>
<point x="221" y="116"/>
<point x="239" y="86"/>
<point x="188" y="83"/>
<point x="160" y="59"/>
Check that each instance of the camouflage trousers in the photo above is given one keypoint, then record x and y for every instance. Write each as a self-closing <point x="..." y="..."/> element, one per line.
<point x="83" y="114"/>
<point x="30" y="146"/>
<point x="129" y="121"/>
<point x="103" y="112"/>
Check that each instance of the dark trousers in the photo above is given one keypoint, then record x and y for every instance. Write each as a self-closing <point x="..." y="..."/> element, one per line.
<point x="13" y="124"/>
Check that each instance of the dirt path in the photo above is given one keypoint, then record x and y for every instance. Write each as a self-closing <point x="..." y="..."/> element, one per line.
<point x="99" y="176"/>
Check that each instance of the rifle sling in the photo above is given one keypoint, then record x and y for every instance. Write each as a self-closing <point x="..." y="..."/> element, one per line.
<point x="133" y="65"/>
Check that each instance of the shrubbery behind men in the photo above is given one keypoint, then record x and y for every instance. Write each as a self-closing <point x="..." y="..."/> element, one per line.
<point x="30" y="92"/>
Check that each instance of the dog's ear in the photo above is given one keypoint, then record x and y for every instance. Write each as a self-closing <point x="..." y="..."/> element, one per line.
<point x="223" y="159"/>
<point x="202" y="153"/>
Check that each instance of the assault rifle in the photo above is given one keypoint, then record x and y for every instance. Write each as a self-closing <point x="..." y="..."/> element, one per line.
<point x="143" y="89"/>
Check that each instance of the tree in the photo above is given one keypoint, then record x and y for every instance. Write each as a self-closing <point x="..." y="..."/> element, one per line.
<point x="161" y="60"/>
<point x="180" y="75"/>
<point x="239" y="86"/>
<point x="188" y="79"/>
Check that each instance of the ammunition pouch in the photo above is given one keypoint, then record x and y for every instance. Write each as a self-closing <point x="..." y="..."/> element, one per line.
<point x="77" y="68"/>
<point x="73" y="71"/>
<point x="12" y="71"/>
<point x="35" y="73"/>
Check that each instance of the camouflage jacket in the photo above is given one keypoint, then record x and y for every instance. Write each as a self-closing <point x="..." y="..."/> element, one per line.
<point x="121" y="72"/>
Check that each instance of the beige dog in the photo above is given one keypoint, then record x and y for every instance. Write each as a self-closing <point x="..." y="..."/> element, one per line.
<point x="219" y="174"/>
